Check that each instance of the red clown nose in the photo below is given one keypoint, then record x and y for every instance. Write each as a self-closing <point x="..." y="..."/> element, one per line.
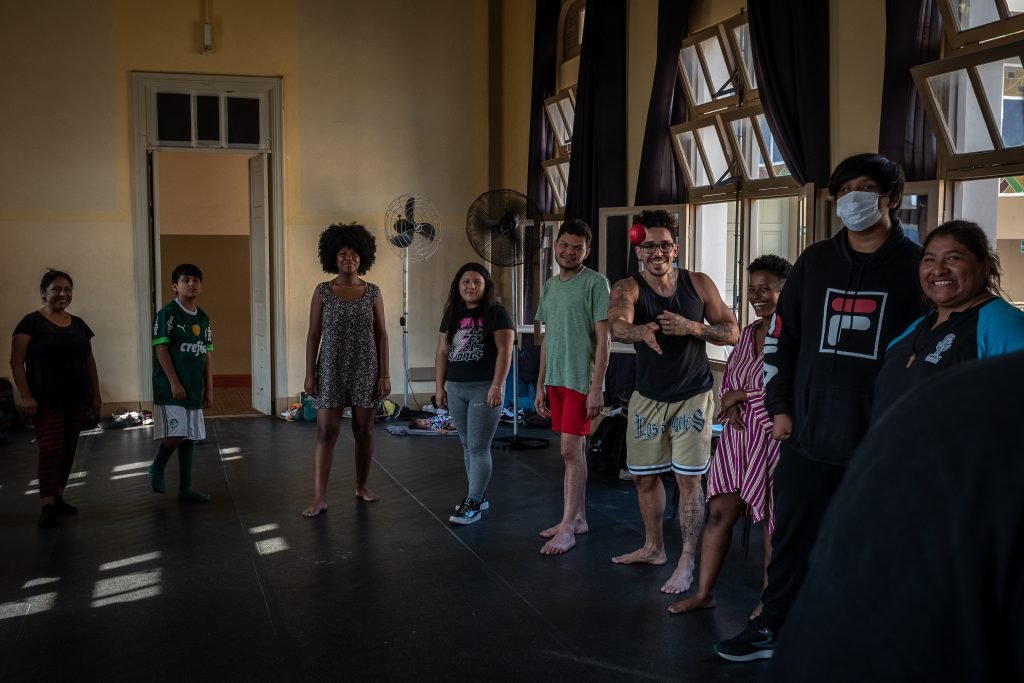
<point x="638" y="233"/>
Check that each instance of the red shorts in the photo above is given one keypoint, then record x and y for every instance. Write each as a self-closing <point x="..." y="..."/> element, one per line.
<point x="568" y="411"/>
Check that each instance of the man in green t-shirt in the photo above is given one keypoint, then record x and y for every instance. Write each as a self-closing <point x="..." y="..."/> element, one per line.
<point x="182" y="381"/>
<point x="573" y="361"/>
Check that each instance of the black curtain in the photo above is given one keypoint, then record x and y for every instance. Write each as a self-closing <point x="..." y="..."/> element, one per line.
<point x="542" y="139"/>
<point x="659" y="180"/>
<point x="913" y="35"/>
<point x="597" y="169"/>
<point x="789" y="40"/>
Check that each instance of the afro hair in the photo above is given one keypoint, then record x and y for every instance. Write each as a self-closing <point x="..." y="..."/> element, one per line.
<point x="351" y="236"/>
<point x="770" y="263"/>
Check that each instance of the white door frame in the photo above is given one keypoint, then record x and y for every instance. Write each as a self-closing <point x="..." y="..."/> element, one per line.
<point x="144" y="86"/>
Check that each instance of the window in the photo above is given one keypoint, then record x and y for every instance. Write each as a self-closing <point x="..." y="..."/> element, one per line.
<point x="974" y="21"/>
<point x="561" y="113"/>
<point x="572" y="30"/>
<point x="746" y="202"/>
<point x="557" y="173"/>
<point x="215" y="120"/>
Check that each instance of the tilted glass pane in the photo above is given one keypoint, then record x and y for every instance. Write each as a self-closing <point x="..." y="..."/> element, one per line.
<point x="694" y="75"/>
<point x="750" y="151"/>
<point x="1011" y="124"/>
<point x="973" y="13"/>
<point x="691" y="159"/>
<point x="718" y="67"/>
<point x="778" y="163"/>
<point x="718" y="157"/>
<point x="741" y="34"/>
<point x="568" y="113"/>
<point x="557" y="124"/>
<point x="913" y="214"/>
<point x="961" y="114"/>
<point x="556" y="184"/>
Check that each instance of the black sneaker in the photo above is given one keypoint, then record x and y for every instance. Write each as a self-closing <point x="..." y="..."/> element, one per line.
<point x="756" y="642"/>
<point x="467" y="513"/>
<point x="63" y="507"/>
<point x="47" y="517"/>
<point x="484" y="505"/>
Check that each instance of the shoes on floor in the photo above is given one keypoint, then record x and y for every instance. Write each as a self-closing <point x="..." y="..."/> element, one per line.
<point x="484" y="504"/>
<point x="755" y="642"/>
<point x="47" y="517"/>
<point x="467" y="513"/>
<point x="63" y="508"/>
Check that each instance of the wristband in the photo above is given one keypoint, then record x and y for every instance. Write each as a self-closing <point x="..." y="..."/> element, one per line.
<point x="495" y="387"/>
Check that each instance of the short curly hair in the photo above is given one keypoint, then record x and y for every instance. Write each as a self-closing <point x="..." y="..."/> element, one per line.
<point x="770" y="263"/>
<point x="347" y="235"/>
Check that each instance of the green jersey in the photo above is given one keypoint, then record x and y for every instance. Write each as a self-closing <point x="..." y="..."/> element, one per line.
<point x="570" y="310"/>
<point x="188" y="337"/>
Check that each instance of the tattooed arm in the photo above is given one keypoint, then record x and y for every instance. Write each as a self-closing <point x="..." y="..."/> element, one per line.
<point x="721" y="328"/>
<point x="621" y="308"/>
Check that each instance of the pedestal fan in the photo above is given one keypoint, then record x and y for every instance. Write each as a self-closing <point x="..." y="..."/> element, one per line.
<point x="411" y="226"/>
<point x="497" y="223"/>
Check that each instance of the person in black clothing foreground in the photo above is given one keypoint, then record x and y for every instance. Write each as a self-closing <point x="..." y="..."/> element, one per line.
<point x="918" y="574"/>
<point x="845" y="300"/>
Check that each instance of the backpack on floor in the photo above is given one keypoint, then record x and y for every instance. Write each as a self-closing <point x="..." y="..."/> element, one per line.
<point x="607" y="452"/>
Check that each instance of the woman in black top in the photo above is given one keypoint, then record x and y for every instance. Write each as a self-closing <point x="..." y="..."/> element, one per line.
<point x="474" y="351"/>
<point x="54" y="369"/>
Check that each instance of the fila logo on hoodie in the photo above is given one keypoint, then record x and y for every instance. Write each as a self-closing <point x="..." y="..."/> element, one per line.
<point x="852" y="323"/>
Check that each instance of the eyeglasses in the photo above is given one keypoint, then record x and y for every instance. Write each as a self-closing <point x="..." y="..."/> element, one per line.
<point x="663" y="247"/>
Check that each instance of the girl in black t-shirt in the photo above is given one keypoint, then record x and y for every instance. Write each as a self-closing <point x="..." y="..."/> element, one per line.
<point x="54" y="369"/>
<point x="474" y="351"/>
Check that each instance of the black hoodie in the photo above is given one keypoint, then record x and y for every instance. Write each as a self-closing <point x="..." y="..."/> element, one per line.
<point x="826" y="342"/>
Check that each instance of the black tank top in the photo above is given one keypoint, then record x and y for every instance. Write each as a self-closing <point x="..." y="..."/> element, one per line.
<point x="683" y="369"/>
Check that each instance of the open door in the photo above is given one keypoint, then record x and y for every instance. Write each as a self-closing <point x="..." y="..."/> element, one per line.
<point x="259" y="267"/>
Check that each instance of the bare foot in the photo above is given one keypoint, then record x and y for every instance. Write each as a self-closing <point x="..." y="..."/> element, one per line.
<point x="581" y="528"/>
<point x="365" y="494"/>
<point x="681" y="578"/>
<point x="691" y="603"/>
<point x="643" y="556"/>
<point x="561" y="542"/>
<point x="315" y="508"/>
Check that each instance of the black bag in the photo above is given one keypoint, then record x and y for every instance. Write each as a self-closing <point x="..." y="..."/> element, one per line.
<point x="607" y="452"/>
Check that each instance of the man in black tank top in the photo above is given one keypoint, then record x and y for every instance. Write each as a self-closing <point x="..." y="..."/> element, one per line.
<point x="662" y="312"/>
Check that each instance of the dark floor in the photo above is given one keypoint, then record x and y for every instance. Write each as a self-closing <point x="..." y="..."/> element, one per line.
<point x="138" y="587"/>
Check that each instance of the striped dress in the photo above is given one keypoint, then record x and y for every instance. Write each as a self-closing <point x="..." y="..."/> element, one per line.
<point x="745" y="460"/>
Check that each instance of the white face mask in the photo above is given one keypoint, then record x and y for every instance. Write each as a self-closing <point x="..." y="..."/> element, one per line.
<point x="858" y="210"/>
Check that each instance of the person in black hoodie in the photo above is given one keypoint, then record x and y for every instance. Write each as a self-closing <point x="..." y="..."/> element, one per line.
<point x="895" y="592"/>
<point x="846" y="299"/>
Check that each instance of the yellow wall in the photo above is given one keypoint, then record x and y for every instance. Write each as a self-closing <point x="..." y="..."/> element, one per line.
<point x="225" y="295"/>
<point x="203" y="193"/>
<point x="380" y="99"/>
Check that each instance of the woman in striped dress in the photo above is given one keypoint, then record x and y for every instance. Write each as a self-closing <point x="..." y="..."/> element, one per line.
<point x="740" y="477"/>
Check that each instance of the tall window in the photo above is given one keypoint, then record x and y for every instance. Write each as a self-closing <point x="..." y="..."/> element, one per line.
<point x="745" y="202"/>
<point x="974" y="98"/>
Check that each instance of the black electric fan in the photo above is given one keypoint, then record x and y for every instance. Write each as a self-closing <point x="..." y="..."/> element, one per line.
<point x="413" y="231"/>
<point x="497" y="224"/>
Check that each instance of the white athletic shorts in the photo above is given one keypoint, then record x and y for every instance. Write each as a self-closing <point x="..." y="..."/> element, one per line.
<point x="170" y="421"/>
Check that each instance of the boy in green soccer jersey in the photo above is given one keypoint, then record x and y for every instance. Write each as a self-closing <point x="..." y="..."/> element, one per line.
<point x="182" y="380"/>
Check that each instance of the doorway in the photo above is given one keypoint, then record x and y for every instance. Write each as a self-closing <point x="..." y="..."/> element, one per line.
<point x="202" y="216"/>
<point x="207" y="189"/>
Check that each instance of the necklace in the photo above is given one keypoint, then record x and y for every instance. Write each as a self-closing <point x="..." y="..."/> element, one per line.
<point x="358" y="283"/>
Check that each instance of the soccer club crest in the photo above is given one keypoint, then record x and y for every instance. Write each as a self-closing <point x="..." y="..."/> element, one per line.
<point x="196" y="330"/>
<point x="852" y="323"/>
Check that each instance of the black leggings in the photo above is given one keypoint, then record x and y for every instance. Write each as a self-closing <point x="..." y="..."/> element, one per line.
<point x="803" y="489"/>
